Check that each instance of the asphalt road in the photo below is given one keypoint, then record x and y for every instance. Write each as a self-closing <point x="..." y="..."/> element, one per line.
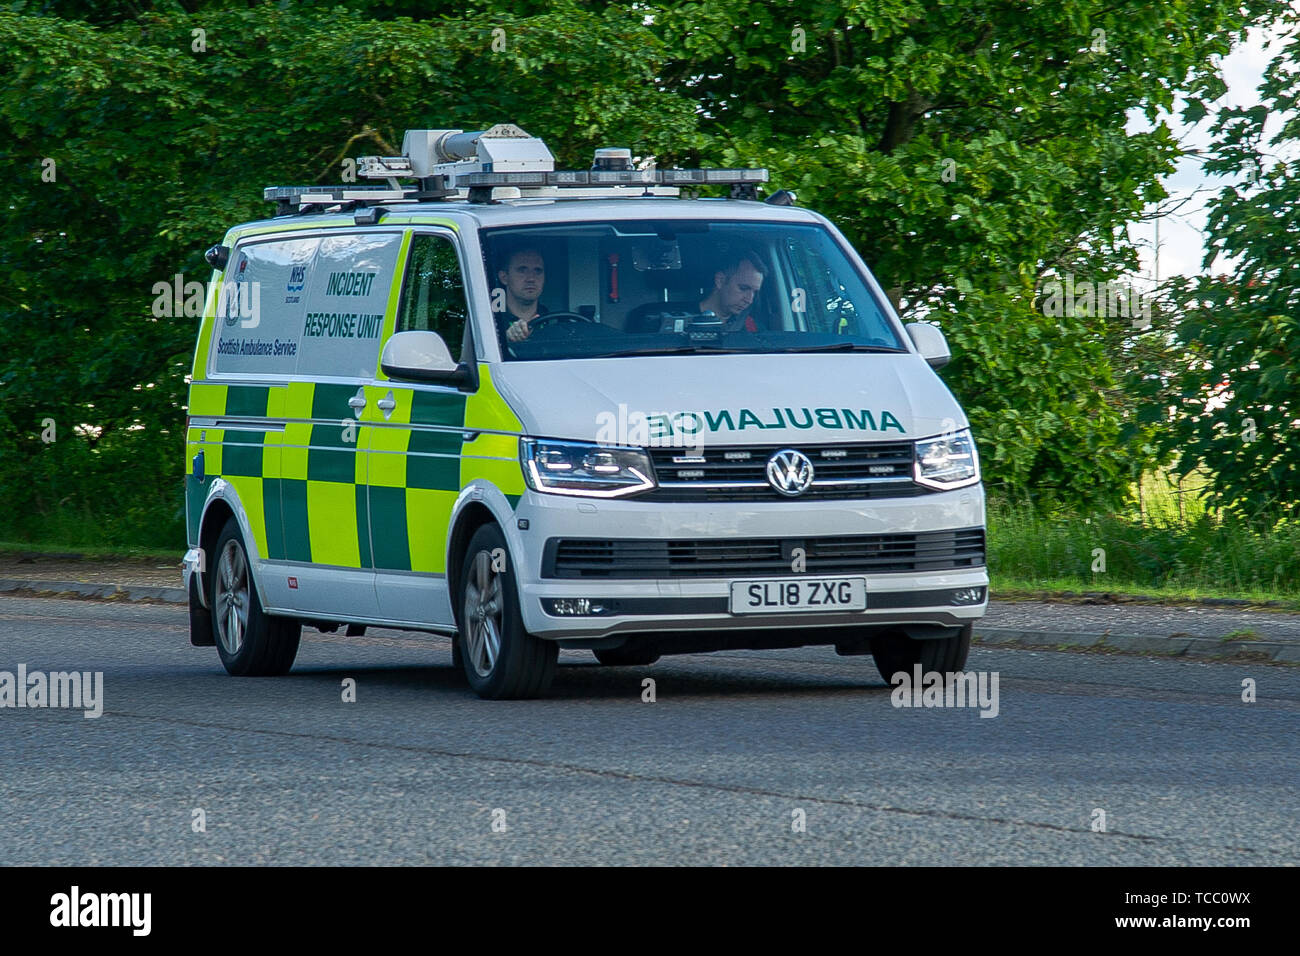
<point x="418" y="770"/>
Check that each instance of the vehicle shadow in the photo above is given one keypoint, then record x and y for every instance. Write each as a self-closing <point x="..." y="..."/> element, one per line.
<point x="583" y="680"/>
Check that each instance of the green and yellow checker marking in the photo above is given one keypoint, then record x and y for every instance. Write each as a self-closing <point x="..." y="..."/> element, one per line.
<point x="414" y="475"/>
<point x="327" y="489"/>
<point x="246" y="454"/>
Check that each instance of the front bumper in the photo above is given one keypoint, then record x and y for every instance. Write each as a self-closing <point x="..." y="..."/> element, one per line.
<point x="664" y="605"/>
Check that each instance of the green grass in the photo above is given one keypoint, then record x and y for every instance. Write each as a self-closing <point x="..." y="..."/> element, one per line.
<point x="113" y="525"/>
<point x="1157" y="553"/>
<point x="1011" y="589"/>
<point x="10" y="548"/>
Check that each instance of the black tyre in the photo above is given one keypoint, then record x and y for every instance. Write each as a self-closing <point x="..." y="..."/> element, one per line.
<point x="620" y="657"/>
<point x="501" y="660"/>
<point x="898" y="652"/>
<point x="251" y="643"/>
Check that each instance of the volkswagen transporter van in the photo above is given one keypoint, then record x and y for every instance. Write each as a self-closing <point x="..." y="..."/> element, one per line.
<point x="537" y="409"/>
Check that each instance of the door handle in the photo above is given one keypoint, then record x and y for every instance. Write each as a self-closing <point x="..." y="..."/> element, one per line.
<point x="387" y="404"/>
<point x="358" y="402"/>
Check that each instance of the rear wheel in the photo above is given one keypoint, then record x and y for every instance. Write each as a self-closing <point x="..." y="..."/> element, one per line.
<point x="898" y="652"/>
<point x="251" y="643"/>
<point x="619" y="657"/>
<point x="501" y="660"/>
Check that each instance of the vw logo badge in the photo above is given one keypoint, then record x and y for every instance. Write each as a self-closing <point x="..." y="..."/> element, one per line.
<point x="790" y="472"/>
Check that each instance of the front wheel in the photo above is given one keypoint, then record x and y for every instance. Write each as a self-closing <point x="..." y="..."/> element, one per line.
<point x="251" y="642"/>
<point x="501" y="660"/>
<point x="898" y="652"/>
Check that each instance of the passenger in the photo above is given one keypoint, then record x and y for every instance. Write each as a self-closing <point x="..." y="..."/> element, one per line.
<point x="734" y="289"/>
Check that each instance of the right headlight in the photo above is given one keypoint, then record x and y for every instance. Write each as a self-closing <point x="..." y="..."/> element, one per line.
<point x="947" y="462"/>
<point x="584" y="469"/>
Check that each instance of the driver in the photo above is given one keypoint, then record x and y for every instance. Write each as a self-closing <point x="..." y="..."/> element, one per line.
<point x="523" y="278"/>
<point x="734" y="289"/>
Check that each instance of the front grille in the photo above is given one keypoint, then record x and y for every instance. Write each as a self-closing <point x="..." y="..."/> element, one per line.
<point x="739" y="473"/>
<point x="762" y="557"/>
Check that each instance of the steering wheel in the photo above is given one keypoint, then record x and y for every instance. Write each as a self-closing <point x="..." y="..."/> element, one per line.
<point x="550" y="320"/>
<point x="542" y="321"/>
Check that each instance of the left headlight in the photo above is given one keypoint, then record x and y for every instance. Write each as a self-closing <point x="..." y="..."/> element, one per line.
<point x="585" y="469"/>
<point x="947" y="462"/>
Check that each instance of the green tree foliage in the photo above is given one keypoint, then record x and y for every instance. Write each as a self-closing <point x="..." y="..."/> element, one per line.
<point x="1235" y="388"/>
<point x="1040" y="395"/>
<point x="158" y="147"/>
<point x="965" y="147"/>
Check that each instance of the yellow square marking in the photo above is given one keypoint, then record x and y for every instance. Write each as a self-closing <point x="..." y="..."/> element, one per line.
<point x="207" y="400"/>
<point x="428" y="514"/>
<point x="332" y="523"/>
<point x="506" y="475"/>
<point x="276" y="395"/>
<point x="494" y="446"/>
<point x="388" y="456"/>
<point x="293" y="455"/>
<point x="297" y="400"/>
<point x="250" y="496"/>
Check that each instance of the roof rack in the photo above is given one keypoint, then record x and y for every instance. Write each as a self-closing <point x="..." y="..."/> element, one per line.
<point x="450" y="164"/>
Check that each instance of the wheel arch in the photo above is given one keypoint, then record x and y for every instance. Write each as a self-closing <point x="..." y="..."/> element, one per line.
<point x="223" y="504"/>
<point x="474" y="515"/>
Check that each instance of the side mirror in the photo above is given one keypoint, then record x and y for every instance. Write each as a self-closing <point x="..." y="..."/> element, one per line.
<point x="217" y="257"/>
<point x="423" y="357"/>
<point x="929" y="341"/>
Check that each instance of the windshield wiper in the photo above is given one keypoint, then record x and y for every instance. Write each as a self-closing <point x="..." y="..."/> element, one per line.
<point x="841" y="347"/>
<point x="667" y="350"/>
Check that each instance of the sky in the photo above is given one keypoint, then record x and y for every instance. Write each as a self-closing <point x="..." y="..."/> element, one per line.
<point x="1182" y="245"/>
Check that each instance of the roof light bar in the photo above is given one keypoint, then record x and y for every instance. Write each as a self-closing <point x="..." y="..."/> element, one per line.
<point x="305" y="195"/>
<point x="451" y="163"/>
<point x="616" y="177"/>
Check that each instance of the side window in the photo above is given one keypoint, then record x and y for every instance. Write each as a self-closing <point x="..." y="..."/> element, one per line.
<point x="259" y="322"/>
<point x="347" y="290"/>
<point x="433" y="293"/>
<point x="827" y="305"/>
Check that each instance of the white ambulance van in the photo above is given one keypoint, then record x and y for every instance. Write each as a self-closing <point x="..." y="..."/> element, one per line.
<point x="540" y="409"/>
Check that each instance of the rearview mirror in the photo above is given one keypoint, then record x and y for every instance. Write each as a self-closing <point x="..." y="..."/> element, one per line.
<point x="656" y="255"/>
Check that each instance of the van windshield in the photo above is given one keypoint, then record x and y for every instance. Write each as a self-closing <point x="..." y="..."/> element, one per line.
<point x="689" y="286"/>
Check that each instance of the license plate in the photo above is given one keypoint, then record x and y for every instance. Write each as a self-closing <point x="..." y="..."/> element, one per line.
<point x="798" y="594"/>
